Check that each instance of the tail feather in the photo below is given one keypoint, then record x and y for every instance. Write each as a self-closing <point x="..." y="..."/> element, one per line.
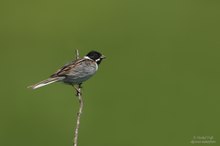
<point x="45" y="82"/>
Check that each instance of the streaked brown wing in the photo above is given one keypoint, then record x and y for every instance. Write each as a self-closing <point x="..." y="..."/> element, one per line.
<point x="66" y="68"/>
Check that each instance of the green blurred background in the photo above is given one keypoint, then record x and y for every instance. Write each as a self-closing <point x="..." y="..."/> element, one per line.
<point x="158" y="86"/>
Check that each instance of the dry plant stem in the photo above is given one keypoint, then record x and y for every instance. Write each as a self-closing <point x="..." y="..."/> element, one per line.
<point x="79" y="95"/>
<point x="77" y="54"/>
<point x="76" y="133"/>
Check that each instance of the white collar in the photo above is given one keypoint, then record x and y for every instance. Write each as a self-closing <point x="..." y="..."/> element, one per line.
<point x="86" y="57"/>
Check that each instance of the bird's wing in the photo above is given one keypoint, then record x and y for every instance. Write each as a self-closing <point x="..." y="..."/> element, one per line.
<point x="86" y="67"/>
<point x="66" y="68"/>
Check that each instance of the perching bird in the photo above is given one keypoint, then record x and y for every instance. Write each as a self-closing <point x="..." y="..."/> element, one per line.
<point x="75" y="72"/>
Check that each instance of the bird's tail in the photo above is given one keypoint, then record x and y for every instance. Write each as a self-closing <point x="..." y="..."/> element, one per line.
<point x="45" y="82"/>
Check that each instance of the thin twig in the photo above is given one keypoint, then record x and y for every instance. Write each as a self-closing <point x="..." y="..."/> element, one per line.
<point x="79" y="95"/>
<point x="77" y="54"/>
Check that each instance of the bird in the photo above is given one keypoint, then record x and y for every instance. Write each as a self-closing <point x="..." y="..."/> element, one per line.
<point x="76" y="72"/>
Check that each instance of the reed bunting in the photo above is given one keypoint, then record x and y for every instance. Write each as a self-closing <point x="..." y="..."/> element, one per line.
<point x="75" y="72"/>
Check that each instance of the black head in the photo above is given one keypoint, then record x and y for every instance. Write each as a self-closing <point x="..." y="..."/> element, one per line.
<point x="96" y="56"/>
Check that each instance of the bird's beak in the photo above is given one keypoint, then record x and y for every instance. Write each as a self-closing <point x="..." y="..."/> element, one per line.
<point x="103" y="57"/>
